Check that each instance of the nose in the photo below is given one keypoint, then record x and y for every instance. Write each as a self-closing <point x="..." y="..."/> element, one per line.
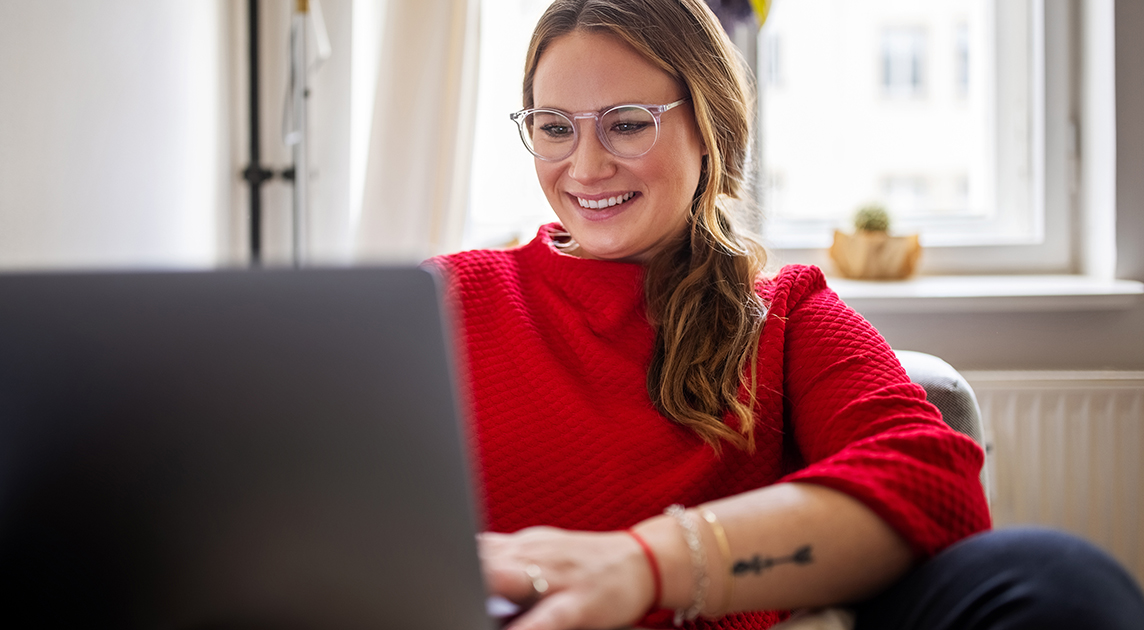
<point x="591" y="161"/>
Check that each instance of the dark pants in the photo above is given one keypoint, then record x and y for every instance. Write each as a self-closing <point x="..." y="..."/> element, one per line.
<point x="1009" y="579"/>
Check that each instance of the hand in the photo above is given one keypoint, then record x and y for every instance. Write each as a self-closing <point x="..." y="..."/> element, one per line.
<point x="596" y="581"/>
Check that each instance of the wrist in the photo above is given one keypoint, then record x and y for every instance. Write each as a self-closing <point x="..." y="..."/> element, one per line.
<point x="662" y="535"/>
<point x="653" y="567"/>
<point x="695" y="565"/>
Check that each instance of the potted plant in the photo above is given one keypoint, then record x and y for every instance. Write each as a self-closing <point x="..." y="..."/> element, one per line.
<point x="871" y="253"/>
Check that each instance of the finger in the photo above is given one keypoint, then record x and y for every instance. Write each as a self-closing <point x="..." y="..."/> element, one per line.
<point x="512" y="584"/>
<point x="490" y="542"/>
<point x="500" y="571"/>
<point x="519" y="583"/>
<point x="559" y="611"/>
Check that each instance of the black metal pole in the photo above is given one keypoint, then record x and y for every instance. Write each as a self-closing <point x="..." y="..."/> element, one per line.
<point x="254" y="173"/>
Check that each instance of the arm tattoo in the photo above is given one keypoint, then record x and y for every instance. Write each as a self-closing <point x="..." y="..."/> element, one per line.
<point x="758" y="564"/>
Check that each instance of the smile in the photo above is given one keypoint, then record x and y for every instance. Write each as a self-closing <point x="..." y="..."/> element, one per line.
<point x="604" y="203"/>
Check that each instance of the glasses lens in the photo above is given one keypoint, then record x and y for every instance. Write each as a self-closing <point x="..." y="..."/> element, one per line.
<point x="631" y="130"/>
<point x="550" y="135"/>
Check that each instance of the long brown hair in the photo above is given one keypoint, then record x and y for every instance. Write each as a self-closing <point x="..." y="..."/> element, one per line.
<point x="700" y="291"/>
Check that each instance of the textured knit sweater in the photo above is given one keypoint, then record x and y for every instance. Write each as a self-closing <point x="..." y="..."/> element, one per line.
<point x="556" y="350"/>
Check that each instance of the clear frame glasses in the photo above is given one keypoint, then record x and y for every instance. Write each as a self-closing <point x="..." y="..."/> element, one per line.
<point x="627" y="131"/>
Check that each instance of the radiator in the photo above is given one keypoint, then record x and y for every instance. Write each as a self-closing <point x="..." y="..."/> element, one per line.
<point x="1066" y="450"/>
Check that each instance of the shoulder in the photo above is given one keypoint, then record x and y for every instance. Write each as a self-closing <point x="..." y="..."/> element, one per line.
<point x="803" y="310"/>
<point x="807" y="276"/>
<point x="793" y="286"/>
<point x="482" y="266"/>
<point x="474" y="264"/>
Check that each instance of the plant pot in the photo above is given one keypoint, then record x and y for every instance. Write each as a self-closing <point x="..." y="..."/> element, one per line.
<point x="875" y="255"/>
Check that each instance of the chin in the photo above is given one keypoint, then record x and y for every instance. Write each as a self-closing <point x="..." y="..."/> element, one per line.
<point x="615" y="253"/>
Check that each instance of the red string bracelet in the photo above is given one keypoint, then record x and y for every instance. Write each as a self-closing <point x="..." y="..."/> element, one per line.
<point x="657" y="582"/>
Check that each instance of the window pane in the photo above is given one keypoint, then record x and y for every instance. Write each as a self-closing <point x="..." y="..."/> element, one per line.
<point x="924" y="107"/>
<point x="506" y="203"/>
<point x="903" y="61"/>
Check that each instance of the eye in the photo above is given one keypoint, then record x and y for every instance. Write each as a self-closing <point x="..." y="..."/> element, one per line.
<point x="628" y="127"/>
<point x="627" y="121"/>
<point x="549" y="126"/>
<point x="556" y="131"/>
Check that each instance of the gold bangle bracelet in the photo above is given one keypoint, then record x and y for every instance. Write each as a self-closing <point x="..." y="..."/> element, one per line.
<point x="725" y="551"/>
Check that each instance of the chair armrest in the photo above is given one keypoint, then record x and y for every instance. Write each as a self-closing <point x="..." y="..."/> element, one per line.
<point x="947" y="390"/>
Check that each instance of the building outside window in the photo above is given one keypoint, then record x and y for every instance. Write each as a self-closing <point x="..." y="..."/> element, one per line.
<point x="962" y="59"/>
<point x="944" y="111"/>
<point x="772" y="70"/>
<point x="906" y="195"/>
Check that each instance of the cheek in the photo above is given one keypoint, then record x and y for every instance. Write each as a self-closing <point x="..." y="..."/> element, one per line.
<point x="547" y="174"/>
<point x="683" y="162"/>
<point x="678" y="173"/>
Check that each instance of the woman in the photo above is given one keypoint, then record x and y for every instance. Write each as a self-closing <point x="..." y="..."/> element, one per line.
<point x="632" y="359"/>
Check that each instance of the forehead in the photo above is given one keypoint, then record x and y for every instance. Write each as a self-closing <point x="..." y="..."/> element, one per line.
<point x="585" y="71"/>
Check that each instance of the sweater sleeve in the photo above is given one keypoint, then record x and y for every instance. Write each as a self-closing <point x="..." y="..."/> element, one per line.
<point x="862" y="428"/>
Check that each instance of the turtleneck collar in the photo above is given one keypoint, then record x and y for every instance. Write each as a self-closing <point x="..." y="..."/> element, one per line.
<point x="605" y="292"/>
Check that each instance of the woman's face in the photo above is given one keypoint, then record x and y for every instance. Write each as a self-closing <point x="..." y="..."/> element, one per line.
<point x="590" y="72"/>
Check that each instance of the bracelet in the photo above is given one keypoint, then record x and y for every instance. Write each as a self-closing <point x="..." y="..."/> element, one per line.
<point x="657" y="581"/>
<point x="698" y="563"/>
<point x="724" y="550"/>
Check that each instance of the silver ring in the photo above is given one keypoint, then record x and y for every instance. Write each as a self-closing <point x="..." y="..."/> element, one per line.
<point x="536" y="577"/>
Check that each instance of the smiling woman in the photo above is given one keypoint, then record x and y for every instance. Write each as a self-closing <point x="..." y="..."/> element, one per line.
<point x="664" y="434"/>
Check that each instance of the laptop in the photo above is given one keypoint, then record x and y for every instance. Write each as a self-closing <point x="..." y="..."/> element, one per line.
<point x="234" y="449"/>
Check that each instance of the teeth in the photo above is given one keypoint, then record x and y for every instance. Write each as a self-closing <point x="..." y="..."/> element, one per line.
<point x="604" y="203"/>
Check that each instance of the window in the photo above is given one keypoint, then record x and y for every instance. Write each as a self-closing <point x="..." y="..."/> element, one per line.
<point x="773" y="69"/>
<point x="506" y="203"/>
<point x="903" y="62"/>
<point x="906" y="196"/>
<point x="962" y="59"/>
<point x="948" y="112"/>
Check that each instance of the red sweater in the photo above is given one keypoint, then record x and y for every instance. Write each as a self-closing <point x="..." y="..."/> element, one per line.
<point x="556" y="350"/>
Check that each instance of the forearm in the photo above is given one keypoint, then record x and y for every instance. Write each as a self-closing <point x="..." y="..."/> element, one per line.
<point x="791" y="546"/>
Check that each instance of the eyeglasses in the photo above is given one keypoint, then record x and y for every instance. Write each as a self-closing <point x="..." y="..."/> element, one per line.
<point x="628" y="131"/>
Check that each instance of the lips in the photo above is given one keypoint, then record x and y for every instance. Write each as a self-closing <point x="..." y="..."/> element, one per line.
<point x="605" y="202"/>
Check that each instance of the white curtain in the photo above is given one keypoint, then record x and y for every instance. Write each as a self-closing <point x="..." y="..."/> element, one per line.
<point x="417" y="173"/>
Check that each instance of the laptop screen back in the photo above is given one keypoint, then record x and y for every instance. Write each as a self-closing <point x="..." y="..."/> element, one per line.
<point x="233" y="449"/>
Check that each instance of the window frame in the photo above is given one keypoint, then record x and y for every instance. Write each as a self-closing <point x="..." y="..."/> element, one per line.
<point x="1053" y="157"/>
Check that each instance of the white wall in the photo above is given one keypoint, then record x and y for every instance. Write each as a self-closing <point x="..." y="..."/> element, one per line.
<point x="114" y="146"/>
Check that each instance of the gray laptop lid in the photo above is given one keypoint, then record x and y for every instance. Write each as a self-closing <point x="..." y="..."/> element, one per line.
<point x="232" y="449"/>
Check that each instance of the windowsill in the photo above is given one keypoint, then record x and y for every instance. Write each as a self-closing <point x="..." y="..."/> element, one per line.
<point x="961" y="294"/>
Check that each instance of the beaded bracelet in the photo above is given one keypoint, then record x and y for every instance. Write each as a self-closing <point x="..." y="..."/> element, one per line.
<point x="698" y="563"/>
